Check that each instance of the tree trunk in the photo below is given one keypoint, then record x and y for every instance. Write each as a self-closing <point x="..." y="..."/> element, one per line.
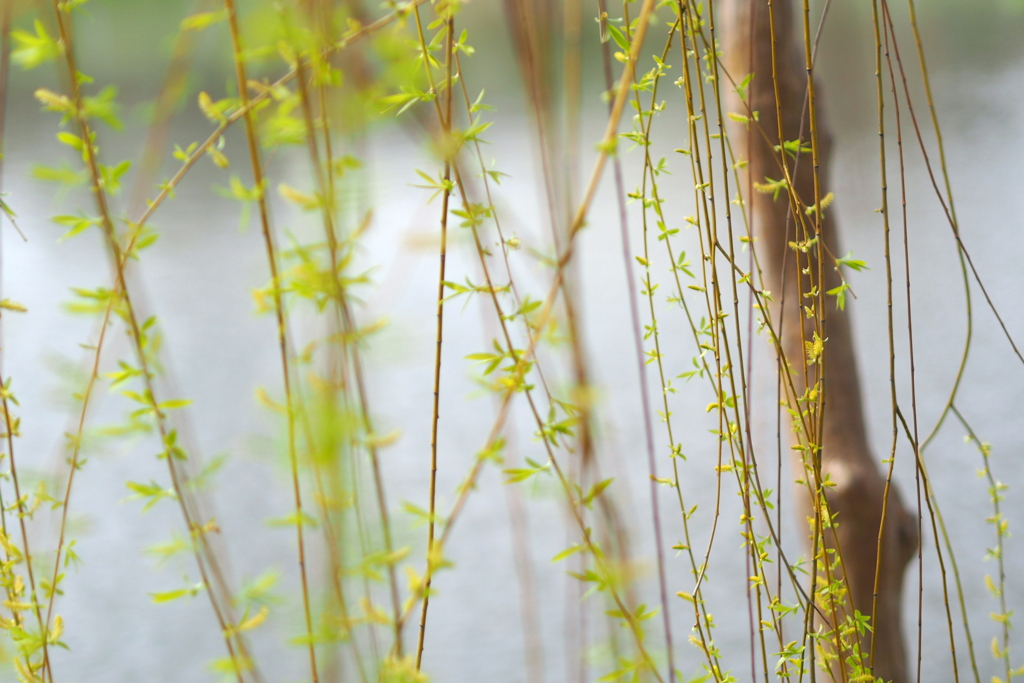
<point x="846" y="457"/>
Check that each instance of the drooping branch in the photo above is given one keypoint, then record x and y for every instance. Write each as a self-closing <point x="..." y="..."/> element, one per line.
<point x="762" y="40"/>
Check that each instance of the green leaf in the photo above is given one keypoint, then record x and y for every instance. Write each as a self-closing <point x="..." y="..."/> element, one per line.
<point x="840" y="294"/>
<point x="103" y="106"/>
<point x="32" y="50"/>
<point x="77" y="225"/>
<point x="166" y="550"/>
<point x="112" y="175"/>
<point x="64" y="175"/>
<point x="174" y="403"/>
<point x="523" y="473"/>
<point x="596" y="490"/>
<point x="151" y="491"/>
<point x="741" y="88"/>
<point x="246" y="194"/>
<point x="71" y="140"/>
<point x="851" y="262"/>
<point x="203" y="20"/>
<point x="259" y="589"/>
<point x="571" y="550"/>
<point x="294" y="519"/>
<point x="184" y="154"/>
<point x="168" y="596"/>
<point x="617" y="36"/>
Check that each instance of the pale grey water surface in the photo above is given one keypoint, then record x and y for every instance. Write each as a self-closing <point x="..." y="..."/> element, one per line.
<point x="198" y="279"/>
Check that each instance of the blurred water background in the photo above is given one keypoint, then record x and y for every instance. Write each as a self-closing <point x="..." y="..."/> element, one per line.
<point x="198" y="278"/>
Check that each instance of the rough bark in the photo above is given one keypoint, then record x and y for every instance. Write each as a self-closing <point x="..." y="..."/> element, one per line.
<point x="846" y="455"/>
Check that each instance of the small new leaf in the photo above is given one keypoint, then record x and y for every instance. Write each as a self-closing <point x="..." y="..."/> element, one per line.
<point x="32" y="50"/>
